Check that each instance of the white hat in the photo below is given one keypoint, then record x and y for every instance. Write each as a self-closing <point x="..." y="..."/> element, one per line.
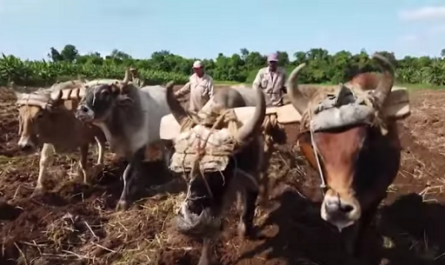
<point x="273" y="57"/>
<point x="197" y="64"/>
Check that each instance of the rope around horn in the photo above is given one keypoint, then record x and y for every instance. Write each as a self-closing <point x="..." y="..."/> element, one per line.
<point x="227" y="117"/>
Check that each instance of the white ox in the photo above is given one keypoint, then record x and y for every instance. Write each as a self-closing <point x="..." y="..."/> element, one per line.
<point x="130" y="118"/>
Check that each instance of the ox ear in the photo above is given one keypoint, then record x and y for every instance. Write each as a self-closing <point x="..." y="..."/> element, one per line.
<point x="122" y="98"/>
<point x="18" y="95"/>
<point x="115" y="88"/>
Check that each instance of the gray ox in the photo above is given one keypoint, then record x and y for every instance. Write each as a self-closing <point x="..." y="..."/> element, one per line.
<point x="47" y="117"/>
<point x="232" y="97"/>
<point x="210" y="192"/>
<point x="130" y="119"/>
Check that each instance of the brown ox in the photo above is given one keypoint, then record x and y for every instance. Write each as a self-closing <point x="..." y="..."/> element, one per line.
<point x="366" y="81"/>
<point x="353" y="145"/>
<point x="47" y="117"/>
<point x="211" y="190"/>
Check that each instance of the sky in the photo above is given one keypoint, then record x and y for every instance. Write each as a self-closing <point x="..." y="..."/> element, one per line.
<point x="204" y="28"/>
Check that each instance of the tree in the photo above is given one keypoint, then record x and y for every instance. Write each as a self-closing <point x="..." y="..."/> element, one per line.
<point x="322" y="66"/>
<point x="69" y="53"/>
<point x="92" y="58"/>
<point x="54" y="55"/>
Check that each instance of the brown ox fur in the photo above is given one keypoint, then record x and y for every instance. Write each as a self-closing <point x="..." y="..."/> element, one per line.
<point x="358" y="162"/>
<point x="58" y="129"/>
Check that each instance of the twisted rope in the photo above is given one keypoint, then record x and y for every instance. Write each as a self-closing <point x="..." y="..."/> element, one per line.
<point x="362" y="98"/>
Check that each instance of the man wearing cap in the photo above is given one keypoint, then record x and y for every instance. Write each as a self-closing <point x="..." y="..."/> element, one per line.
<point x="135" y="77"/>
<point x="200" y="87"/>
<point x="271" y="80"/>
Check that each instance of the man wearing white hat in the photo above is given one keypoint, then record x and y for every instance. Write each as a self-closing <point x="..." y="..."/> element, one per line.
<point x="271" y="80"/>
<point x="200" y="87"/>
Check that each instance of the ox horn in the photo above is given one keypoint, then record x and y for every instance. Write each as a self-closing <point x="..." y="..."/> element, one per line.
<point x="12" y="85"/>
<point x="177" y="110"/>
<point x="253" y="125"/>
<point x="296" y="97"/>
<point x="127" y="77"/>
<point x="386" y="81"/>
<point x="14" y="88"/>
<point x="123" y="85"/>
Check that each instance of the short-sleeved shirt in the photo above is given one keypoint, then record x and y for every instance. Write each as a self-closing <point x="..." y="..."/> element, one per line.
<point x="273" y="85"/>
<point x="200" y="89"/>
<point x="138" y="82"/>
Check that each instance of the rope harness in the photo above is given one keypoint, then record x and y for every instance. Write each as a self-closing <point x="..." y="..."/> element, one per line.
<point x="37" y="100"/>
<point x="201" y="155"/>
<point x="199" y="151"/>
<point x="269" y="125"/>
<point x="325" y="101"/>
<point x="323" y="186"/>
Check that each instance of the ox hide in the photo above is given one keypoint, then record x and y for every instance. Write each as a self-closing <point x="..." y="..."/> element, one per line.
<point x="396" y="107"/>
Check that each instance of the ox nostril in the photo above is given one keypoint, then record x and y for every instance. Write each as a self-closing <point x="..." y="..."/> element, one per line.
<point x="331" y="206"/>
<point x="84" y="109"/>
<point x="346" y="208"/>
<point x="25" y="147"/>
<point x="336" y="207"/>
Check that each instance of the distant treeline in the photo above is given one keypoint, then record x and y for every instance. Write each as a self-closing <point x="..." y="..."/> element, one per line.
<point x="163" y="66"/>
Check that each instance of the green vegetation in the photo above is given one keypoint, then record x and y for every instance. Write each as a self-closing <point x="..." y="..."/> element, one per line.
<point x="239" y="68"/>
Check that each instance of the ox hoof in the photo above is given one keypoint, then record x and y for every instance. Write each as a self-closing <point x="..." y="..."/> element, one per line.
<point x="96" y="170"/>
<point x="122" y="205"/>
<point x="39" y="190"/>
<point x="87" y="182"/>
<point x="249" y="232"/>
<point x="244" y="231"/>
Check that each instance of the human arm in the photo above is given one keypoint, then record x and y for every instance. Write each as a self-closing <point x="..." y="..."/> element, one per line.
<point x="138" y="82"/>
<point x="257" y="82"/>
<point x="283" y="84"/>
<point x="183" y="90"/>
<point x="210" y="88"/>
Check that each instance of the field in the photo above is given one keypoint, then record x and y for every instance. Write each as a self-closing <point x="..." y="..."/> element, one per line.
<point x="76" y="224"/>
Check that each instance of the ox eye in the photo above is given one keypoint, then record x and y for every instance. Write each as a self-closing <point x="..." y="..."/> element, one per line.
<point x="39" y="115"/>
<point x="105" y="92"/>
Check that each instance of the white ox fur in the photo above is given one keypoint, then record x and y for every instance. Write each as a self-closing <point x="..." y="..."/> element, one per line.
<point x="154" y="107"/>
<point x="137" y="131"/>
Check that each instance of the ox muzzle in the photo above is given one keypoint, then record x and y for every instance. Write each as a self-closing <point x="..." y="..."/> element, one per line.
<point x="84" y="113"/>
<point x="197" y="216"/>
<point x="340" y="211"/>
<point x="26" y="143"/>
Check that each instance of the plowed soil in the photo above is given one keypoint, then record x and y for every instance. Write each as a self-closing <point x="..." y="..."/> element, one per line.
<point x="73" y="223"/>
